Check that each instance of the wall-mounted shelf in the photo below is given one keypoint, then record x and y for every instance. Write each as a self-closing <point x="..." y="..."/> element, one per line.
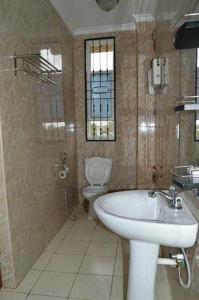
<point x="186" y="177"/>
<point x="36" y="66"/>
<point x="187" y="104"/>
<point x="187" y="107"/>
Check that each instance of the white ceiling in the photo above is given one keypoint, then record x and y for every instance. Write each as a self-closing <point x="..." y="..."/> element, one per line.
<point x="85" y="16"/>
<point x="80" y="15"/>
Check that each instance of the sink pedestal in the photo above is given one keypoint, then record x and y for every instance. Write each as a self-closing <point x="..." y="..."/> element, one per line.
<point x="142" y="270"/>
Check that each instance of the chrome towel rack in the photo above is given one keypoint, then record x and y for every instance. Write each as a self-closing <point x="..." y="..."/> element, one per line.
<point x="36" y="66"/>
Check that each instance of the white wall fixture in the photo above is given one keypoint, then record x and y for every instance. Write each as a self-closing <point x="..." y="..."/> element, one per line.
<point x="107" y="5"/>
<point x="63" y="169"/>
<point x="158" y="75"/>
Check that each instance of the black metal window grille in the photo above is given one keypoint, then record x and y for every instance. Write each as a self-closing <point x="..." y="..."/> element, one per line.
<point x="100" y="89"/>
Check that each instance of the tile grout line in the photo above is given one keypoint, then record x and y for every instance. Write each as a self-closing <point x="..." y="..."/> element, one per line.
<point x="82" y="261"/>
<point x="59" y="241"/>
<point x="42" y="271"/>
<point x="114" y="269"/>
<point x="34" y="284"/>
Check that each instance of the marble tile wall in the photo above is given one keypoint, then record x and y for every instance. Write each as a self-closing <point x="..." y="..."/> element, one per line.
<point x="183" y="66"/>
<point x="146" y="124"/>
<point x="157" y="143"/>
<point x="188" y="146"/>
<point x="146" y="105"/>
<point x="124" y="150"/>
<point x="33" y="199"/>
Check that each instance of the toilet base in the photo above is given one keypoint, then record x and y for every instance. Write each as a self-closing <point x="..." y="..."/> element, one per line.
<point x="91" y="193"/>
<point x="91" y="212"/>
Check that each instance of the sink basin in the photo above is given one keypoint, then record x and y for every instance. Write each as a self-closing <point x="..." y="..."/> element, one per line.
<point x="148" y="223"/>
<point x="136" y="216"/>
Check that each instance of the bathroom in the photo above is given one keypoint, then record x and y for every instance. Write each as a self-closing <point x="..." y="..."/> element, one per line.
<point x="49" y="247"/>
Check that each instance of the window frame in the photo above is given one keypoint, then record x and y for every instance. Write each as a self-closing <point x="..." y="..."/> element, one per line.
<point x="85" y="78"/>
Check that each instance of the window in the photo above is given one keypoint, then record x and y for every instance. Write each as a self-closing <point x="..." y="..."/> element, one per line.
<point x="51" y="98"/>
<point x="100" y="89"/>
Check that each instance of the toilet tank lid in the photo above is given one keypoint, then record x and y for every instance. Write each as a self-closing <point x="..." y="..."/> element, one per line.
<point x="98" y="170"/>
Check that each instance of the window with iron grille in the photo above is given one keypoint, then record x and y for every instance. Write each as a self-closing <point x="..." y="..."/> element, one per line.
<point x="100" y="89"/>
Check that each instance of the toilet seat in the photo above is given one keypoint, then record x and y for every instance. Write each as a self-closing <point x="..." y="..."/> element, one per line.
<point x="98" y="170"/>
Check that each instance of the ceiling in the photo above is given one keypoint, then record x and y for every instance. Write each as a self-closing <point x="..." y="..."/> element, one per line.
<point x="85" y="16"/>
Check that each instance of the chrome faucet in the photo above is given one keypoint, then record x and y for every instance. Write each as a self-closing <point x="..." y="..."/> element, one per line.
<point x="173" y="200"/>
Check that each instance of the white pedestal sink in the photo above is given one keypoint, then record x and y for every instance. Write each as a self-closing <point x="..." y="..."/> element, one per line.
<point x="148" y="223"/>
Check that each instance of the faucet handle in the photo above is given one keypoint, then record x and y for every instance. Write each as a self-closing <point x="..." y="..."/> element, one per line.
<point x="152" y="193"/>
<point x="172" y="190"/>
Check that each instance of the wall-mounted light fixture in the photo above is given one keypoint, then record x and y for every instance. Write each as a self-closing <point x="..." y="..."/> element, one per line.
<point x="107" y="5"/>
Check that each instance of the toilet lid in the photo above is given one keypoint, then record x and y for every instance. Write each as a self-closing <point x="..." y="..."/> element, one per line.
<point x="98" y="170"/>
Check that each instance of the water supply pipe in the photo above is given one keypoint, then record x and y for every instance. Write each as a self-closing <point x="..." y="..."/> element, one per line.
<point x="177" y="260"/>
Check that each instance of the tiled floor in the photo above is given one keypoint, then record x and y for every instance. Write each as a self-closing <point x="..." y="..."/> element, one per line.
<point x="84" y="261"/>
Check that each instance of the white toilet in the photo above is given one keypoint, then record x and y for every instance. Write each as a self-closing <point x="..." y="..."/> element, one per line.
<point x="98" y="173"/>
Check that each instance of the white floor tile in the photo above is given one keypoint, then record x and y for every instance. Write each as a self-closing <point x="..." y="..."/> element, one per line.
<point x="123" y="249"/>
<point x="91" y="287"/>
<point x="102" y="249"/>
<point x="80" y="235"/>
<point x="42" y="261"/>
<point x="121" y="267"/>
<point x="97" y="265"/>
<point x="54" y="284"/>
<point x="104" y="235"/>
<point x="73" y="247"/>
<point x="39" y="297"/>
<point x="162" y="290"/>
<point x="64" y="263"/>
<point x="53" y="245"/>
<point x="12" y="296"/>
<point x="64" y="256"/>
<point x="61" y="234"/>
<point x="28" y="282"/>
<point x="84" y="225"/>
<point x="118" y="289"/>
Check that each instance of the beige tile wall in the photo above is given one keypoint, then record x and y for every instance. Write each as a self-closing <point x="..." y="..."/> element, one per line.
<point x="157" y="143"/>
<point x="183" y="65"/>
<point x="188" y="146"/>
<point x="32" y="193"/>
<point x="146" y="105"/>
<point x="123" y="151"/>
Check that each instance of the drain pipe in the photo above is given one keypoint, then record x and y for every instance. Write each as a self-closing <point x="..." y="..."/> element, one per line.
<point x="179" y="261"/>
<point x="167" y="262"/>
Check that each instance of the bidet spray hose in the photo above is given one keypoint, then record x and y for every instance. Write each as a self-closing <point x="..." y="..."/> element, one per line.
<point x="185" y="285"/>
